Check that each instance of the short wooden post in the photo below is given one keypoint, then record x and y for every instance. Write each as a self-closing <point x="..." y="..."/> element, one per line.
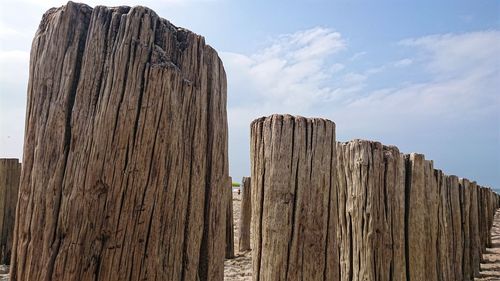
<point x="292" y="160"/>
<point x="10" y="172"/>
<point x="246" y="215"/>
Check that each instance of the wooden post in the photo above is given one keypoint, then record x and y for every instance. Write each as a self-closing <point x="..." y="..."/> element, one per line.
<point x="292" y="161"/>
<point x="229" y="219"/>
<point x="371" y="225"/>
<point x="475" y="243"/>
<point x="466" y="235"/>
<point x="246" y="215"/>
<point x="10" y="172"/>
<point x="389" y="216"/>
<point x="125" y="151"/>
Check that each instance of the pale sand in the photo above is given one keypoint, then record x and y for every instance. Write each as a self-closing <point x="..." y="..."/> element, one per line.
<point x="239" y="268"/>
<point x="490" y="266"/>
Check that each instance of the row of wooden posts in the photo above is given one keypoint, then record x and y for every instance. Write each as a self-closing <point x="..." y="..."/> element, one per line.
<point x="338" y="211"/>
<point x="324" y="210"/>
<point x="126" y="174"/>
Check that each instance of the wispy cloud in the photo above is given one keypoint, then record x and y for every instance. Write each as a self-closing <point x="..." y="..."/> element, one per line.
<point x="459" y="54"/>
<point x="461" y="81"/>
<point x="358" y="55"/>
<point x="457" y="83"/>
<point x="291" y="74"/>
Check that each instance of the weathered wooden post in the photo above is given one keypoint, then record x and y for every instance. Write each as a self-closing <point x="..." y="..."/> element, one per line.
<point x="457" y="240"/>
<point x="246" y="215"/>
<point x="228" y="201"/>
<point x="371" y="195"/>
<point x="475" y="243"/>
<point x="125" y="152"/>
<point x="292" y="183"/>
<point x="10" y="172"/>
<point x="446" y="251"/>
<point x="464" y="209"/>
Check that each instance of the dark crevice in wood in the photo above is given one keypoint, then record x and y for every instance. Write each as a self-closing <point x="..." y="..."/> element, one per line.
<point x="408" y="167"/>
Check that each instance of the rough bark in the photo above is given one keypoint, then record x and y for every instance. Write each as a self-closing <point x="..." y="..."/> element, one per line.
<point x="246" y="215"/>
<point x="291" y="188"/>
<point x="10" y="173"/>
<point x="125" y="151"/>
<point x="228" y="202"/>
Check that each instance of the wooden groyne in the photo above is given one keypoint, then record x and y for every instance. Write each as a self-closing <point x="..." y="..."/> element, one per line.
<point x="354" y="211"/>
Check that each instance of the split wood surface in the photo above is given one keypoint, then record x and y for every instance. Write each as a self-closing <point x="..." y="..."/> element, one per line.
<point x="10" y="171"/>
<point x="125" y="154"/>
<point x="228" y="202"/>
<point x="246" y="215"/>
<point x="359" y="210"/>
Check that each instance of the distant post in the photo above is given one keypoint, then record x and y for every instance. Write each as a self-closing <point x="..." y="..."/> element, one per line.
<point x="228" y="199"/>
<point x="246" y="215"/>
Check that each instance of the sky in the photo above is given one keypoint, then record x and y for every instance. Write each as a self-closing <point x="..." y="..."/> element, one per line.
<point x="421" y="75"/>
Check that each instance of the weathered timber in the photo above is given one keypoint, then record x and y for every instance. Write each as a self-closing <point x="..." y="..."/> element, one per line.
<point x="125" y="154"/>
<point x="465" y="207"/>
<point x="475" y="241"/>
<point x="292" y="161"/>
<point x="246" y="215"/>
<point x="10" y="173"/>
<point x="390" y="216"/>
<point x="228" y="202"/>
<point x="445" y="229"/>
<point x="364" y="216"/>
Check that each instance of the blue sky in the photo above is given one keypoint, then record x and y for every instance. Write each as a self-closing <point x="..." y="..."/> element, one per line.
<point x="424" y="76"/>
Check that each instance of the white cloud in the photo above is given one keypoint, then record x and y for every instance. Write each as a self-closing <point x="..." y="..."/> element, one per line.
<point x="461" y="85"/>
<point x="457" y="54"/>
<point x="403" y="62"/>
<point x="358" y="55"/>
<point x="290" y="74"/>
<point x="456" y="81"/>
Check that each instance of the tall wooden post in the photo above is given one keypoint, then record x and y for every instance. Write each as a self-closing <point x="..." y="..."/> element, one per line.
<point x="125" y="152"/>
<point x="10" y="172"/>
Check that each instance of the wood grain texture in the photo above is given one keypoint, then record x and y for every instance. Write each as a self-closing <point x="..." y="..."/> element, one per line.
<point x="10" y="173"/>
<point x="291" y="189"/>
<point x="246" y="215"/>
<point x="229" y="230"/>
<point x="125" y="154"/>
<point x="390" y="216"/>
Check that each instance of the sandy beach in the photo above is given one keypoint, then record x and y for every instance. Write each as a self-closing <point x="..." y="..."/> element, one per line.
<point x="490" y="266"/>
<point x="239" y="268"/>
